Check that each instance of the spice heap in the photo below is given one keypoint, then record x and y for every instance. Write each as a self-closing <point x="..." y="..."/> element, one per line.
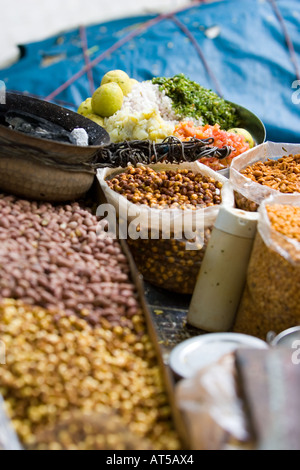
<point x="285" y="219"/>
<point x="56" y="366"/>
<point x="282" y="175"/>
<point x="179" y="188"/>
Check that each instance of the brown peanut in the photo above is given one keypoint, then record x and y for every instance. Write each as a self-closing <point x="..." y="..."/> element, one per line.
<point x="51" y="256"/>
<point x="282" y="175"/>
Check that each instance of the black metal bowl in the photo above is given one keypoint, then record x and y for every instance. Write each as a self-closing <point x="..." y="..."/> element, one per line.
<point x="42" y="169"/>
<point x="69" y="120"/>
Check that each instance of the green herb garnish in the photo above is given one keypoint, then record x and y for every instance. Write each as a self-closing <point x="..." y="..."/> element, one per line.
<point x="193" y="100"/>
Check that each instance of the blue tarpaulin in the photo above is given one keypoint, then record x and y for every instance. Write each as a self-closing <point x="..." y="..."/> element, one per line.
<point x="252" y="59"/>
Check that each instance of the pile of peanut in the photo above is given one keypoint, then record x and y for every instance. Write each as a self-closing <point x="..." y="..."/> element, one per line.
<point x="58" y="366"/>
<point x="51" y="256"/>
<point x="179" y="188"/>
<point x="285" y="219"/>
<point x="282" y="175"/>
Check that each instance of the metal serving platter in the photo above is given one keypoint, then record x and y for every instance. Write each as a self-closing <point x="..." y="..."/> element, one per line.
<point x="199" y="352"/>
<point x="252" y="123"/>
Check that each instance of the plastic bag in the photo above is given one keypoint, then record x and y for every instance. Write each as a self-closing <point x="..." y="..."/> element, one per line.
<point x="212" y="409"/>
<point x="89" y="431"/>
<point x="8" y="437"/>
<point x="249" y="194"/>
<point x="271" y="298"/>
<point x="172" y="258"/>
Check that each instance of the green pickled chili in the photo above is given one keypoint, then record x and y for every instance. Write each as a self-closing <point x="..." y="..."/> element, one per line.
<point x="193" y="100"/>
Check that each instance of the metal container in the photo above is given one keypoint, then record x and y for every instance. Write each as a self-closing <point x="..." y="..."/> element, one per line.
<point x="286" y="338"/>
<point x="192" y="355"/>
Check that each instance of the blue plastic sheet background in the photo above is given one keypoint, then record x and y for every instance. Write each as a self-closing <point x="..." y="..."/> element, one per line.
<point x="249" y="60"/>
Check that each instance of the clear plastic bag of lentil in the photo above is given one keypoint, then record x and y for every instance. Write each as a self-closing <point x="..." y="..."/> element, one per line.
<point x="167" y="244"/>
<point x="249" y="193"/>
<point x="271" y="299"/>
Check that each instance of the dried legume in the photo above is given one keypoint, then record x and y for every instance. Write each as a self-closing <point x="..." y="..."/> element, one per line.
<point x="87" y="431"/>
<point x="179" y="188"/>
<point x="57" y="366"/>
<point x="285" y="219"/>
<point x="282" y="175"/>
<point x="51" y="256"/>
<point x="168" y="264"/>
<point x="271" y="298"/>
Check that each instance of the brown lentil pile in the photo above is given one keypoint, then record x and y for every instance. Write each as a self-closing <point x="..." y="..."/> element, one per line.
<point x="167" y="263"/>
<point x="282" y="175"/>
<point x="271" y="301"/>
<point x="58" y="366"/>
<point x="51" y="256"/>
<point x="180" y="188"/>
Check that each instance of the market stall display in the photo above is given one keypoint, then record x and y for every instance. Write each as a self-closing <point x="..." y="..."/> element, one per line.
<point x="73" y="314"/>
<point x="246" y="51"/>
<point x="156" y="109"/>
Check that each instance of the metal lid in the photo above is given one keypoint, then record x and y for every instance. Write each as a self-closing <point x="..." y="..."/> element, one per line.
<point x="192" y="355"/>
<point x="237" y="222"/>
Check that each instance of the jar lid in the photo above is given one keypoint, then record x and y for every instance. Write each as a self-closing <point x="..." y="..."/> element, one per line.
<point x="237" y="222"/>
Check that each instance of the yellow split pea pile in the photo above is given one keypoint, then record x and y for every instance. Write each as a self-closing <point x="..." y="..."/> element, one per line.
<point x="75" y="335"/>
<point x="271" y="298"/>
<point x="285" y="220"/>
